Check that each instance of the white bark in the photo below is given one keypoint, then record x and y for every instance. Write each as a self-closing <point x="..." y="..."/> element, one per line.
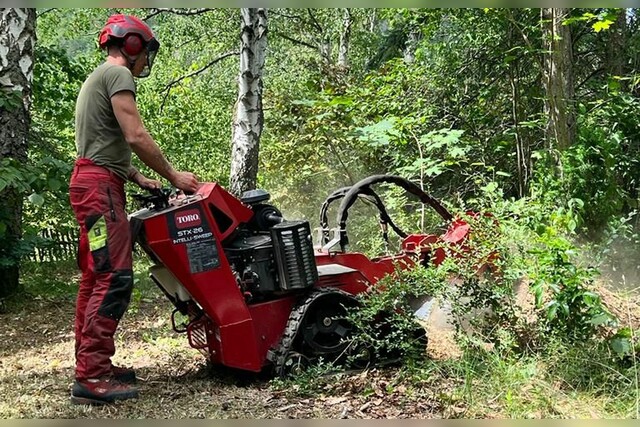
<point x="17" y="43"/>
<point x="324" y="48"/>
<point x="249" y="117"/>
<point x="373" y="22"/>
<point x="410" y="47"/>
<point x="345" y="36"/>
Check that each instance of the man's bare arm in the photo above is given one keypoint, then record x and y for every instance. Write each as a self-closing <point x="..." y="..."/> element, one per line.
<point x="133" y="174"/>
<point x="126" y="112"/>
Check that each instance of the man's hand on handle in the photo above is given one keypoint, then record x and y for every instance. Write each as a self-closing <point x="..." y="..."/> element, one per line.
<point x="185" y="181"/>
<point x="148" y="184"/>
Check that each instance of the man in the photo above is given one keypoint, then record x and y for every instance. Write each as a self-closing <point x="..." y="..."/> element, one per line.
<point x="108" y="129"/>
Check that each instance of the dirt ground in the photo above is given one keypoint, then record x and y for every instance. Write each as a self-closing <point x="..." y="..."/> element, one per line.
<point x="175" y="381"/>
<point x="36" y="374"/>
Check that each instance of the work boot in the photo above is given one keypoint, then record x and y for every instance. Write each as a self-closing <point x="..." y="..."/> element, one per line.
<point x="100" y="391"/>
<point x="124" y="375"/>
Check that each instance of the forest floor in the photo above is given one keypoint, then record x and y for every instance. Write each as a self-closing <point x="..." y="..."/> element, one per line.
<point x="37" y="361"/>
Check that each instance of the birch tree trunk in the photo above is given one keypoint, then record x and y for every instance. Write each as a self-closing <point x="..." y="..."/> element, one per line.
<point x="249" y="117"/>
<point x="558" y="78"/>
<point x="373" y="20"/>
<point x="325" y="50"/>
<point x="409" y="52"/>
<point x="345" y="36"/>
<point x="17" y="43"/>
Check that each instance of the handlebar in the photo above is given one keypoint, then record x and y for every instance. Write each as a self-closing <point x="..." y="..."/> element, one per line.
<point x="157" y="199"/>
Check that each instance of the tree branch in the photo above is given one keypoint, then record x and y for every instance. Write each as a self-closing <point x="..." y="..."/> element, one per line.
<point x="513" y="21"/>
<point x="173" y="83"/>
<point x="183" y="12"/>
<point x="199" y="71"/>
<point x="285" y="15"/>
<point x="592" y="74"/>
<point x="44" y="12"/>
<point x="315" y="21"/>
<point x="292" y="40"/>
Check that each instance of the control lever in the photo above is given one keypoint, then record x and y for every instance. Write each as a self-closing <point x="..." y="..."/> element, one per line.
<point x="158" y="198"/>
<point x="186" y="193"/>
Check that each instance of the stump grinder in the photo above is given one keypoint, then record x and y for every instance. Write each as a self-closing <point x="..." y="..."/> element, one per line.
<point x="251" y="290"/>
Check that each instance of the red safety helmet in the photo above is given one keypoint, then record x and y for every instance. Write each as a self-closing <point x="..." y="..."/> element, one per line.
<point x="134" y="36"/>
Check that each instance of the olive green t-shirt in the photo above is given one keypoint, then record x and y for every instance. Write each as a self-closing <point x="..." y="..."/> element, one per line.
<point x="98" y="134"/>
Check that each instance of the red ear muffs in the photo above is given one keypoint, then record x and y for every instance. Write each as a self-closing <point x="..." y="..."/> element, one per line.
<point x="132" y="44"/>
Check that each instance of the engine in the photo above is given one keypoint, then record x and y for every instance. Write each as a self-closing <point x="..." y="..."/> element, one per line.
<point x="270" y="255"/>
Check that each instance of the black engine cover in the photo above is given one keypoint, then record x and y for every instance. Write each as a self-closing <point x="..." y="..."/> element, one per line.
<point x="294" y="255"/>
<point x="253" y="259"/>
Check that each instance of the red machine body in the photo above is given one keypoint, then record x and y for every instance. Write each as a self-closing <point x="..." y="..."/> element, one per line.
<point x="212" y="261"/>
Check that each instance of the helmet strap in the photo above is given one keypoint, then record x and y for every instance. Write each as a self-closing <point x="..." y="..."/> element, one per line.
<point x="130" y="60"/>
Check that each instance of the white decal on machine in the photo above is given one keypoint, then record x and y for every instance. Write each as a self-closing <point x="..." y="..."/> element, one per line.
<point x="189" y="226"/>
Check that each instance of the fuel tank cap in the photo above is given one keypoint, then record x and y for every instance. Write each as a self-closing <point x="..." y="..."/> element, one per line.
<point x="252" y="197"/>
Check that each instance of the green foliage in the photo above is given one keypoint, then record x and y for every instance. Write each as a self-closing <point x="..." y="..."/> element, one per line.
<point x="10" y="100"/>
<point x="510" y="254"/>
<point x="563" y="286"/>
<point x="31" y="181"/>
<point x="625" y="344"/>
<point x="385" y="321"/>
<point x="564" y="290"/>
<point x="599" y="22"/>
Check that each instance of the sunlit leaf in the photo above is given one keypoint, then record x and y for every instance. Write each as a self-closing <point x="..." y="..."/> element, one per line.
<point x="36" y="199"/>
<point x="602" y="25"/>
<point x="621" y="346"/>
<point x="602" y="319"/>
<point x="54" y="184"/>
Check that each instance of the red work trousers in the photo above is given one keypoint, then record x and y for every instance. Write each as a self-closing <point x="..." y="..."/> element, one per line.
<point x="104" y="257"/>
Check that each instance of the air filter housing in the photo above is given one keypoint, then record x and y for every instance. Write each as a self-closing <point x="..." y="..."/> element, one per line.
<point x="294" y="255"/>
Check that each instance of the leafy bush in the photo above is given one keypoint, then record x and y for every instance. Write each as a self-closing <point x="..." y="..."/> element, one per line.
<point x="516" y="283"/>
<point x="385" y="320"/>
<point x="30" y="181"/>
<point x="564" y="290"/>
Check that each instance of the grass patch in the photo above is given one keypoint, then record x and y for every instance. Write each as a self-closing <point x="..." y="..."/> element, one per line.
<point x="57" y="279"/>
<point x="54" y="281"/>
<point x="564" y="382"/>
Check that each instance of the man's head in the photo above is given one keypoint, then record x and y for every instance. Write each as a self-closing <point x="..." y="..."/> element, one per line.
<point x="134" y="39"/>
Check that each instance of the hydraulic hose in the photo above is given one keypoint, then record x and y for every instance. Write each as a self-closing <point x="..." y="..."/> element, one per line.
<point x="367" y="194"/>
<point x="352" y="194"/>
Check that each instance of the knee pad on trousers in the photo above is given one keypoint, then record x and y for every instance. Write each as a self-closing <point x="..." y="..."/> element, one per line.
<point x="118" y="296"/>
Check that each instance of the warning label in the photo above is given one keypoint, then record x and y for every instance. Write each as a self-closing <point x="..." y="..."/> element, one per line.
<point x="189" y="226"/>
<point x="203" y="256"/>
